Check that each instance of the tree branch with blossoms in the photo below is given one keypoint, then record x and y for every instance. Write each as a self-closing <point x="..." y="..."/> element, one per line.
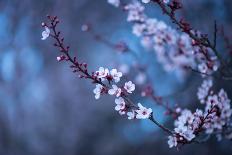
<point x="123" y="104"/>
<point x="173" y="49"/>
<point x="169" y="8"/>
<point x="123" y="48"/>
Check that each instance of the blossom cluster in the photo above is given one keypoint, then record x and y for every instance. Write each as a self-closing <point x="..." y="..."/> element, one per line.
<point x="222" y="115"/>
<point x="122" y="104"/>
<point x="117" y="2"/>
<point x="214" y="119"/>
<point x="175" y="51"/>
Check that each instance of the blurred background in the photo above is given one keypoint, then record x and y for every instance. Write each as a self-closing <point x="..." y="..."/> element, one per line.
<point x="45" y="109"/>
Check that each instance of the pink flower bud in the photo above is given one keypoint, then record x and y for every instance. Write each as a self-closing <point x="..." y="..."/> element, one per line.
<point x="60" y="58"/>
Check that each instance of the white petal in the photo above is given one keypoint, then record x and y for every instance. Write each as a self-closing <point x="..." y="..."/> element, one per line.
<point x="97" y="96"/>
<point x="117" y="107"/>
<point x="111" y="92"/>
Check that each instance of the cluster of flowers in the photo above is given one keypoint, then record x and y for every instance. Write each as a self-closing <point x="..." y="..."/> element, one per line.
<point x="175" y="51"/>
<point x="122" y="104"/>
<point x="215" y="118"/>
<point x="117" y="2"/>
<point x="221" y="117"/>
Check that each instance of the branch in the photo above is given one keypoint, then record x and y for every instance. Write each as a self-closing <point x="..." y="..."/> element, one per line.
<point x="82" y="67"/>
<point x="202" y="40"/>
<point x="215" y="34"/>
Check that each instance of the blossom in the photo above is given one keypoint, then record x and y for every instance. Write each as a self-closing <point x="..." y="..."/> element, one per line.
<point x="186" y="132"/>
<point x="212" y="101"/>
<point x="129" y="87"/>
<point x="116" y="75"/>
<point x="120" y="104"/>
<point x="223" y="96"/>
<point x="187" y="122"/>
<point x="166" y="1"/>
<point x="115" y="91"/>
<point x="221" y="104"/>
<point x="135" y="12"/>
<point x="60" y="58"/>
<point x="189" y="135"/>
<point x="185" y="118"/>
<point x="146" y="1"/>
<point x="131" y="115"/>
<point x="97" y="91"/>
<point x="138" y="29"/>
<point x="115" y="3"/>
<point x="203" y="90"/>
<point x="102" y="73"/>
<point x="143" y="112"/>
<point x="45" y="33"/>
<point x="122" y="112"/>
<point x="172" y="141"/>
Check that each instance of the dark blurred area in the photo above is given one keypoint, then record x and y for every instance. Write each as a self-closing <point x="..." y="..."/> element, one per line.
<point x="45" y="109"/>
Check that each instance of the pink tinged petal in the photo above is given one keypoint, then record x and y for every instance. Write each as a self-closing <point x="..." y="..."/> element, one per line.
<point x="131" y="115"/>
<point x="114" y="87"/>
<point x="111" y="92"/>
<point x="121" y="112"/>
<point x="140" y="106"/>
<point x="117" y="107"/>
<point x="97" y="96"/>
<point x="58" y="58"/>
<point x="118" y="92"/>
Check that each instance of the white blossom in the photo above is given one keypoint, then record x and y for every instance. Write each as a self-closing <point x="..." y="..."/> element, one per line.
<point x="115" y="3"/>
<point x="203" y="68"/>
<point x="166" y="1"/>
<point x="146" y="1"/>
<point x="45" y="33"/>
<point x="102" y="73"/>
<point x="120" y="104"/>
<point x="59" y="58"/>
<point x="97" y="91"/>
<point x="211" y="101"/>
<point x="115" y="91"/>
<point x="138" y="29"/>
<point x="129" y="87"/>
<point x="172" y="141"/>
<point x="143" y="112"/>
<point x="131" y="115"/>
<point x="116" y="75"/>
<point x="135" y="12"/>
